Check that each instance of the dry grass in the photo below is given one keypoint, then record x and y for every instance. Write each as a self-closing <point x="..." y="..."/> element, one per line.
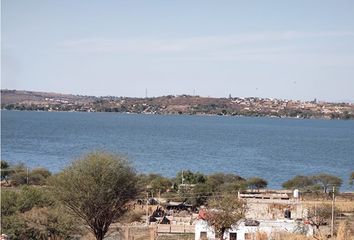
<point x="261" y="236"/>
<point x="344" y="232"/>
<point x="343" y="206"/>
<point x="292" y="236"/>
<point x="134" y="215"/>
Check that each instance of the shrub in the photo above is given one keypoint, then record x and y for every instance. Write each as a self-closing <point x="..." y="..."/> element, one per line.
<point x="9" y="200"/>
<point x="33" y="197"/>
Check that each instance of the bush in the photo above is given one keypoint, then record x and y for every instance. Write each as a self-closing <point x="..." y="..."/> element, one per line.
<point x="19" y="178"/>
<point x="40" y="223"/>
<point x="30" y="213"/>
<point x="33" y="197"/>
<point x="38" y="176"/>
<point x="13" y="226"/>
<point x="133" y="216"/>
<point x="45" y="173"/>
<point x="9" y="200"/>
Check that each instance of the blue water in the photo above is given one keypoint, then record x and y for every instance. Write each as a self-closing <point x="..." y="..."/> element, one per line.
<point x="274" y="149"/>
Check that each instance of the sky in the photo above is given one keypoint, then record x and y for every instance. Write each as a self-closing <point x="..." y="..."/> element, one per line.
<point x="278" y="49"/>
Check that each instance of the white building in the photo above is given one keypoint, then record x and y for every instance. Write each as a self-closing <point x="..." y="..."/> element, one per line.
<point x="246" y="230"/>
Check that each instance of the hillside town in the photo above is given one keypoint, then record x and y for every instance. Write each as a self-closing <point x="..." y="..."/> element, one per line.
<point x="180" y="104"/>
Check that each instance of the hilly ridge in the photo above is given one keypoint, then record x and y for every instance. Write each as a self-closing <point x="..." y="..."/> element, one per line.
<point x="181" y="104"/>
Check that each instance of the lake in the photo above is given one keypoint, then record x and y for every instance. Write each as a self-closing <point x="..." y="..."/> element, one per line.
<point x="272" y="148"/>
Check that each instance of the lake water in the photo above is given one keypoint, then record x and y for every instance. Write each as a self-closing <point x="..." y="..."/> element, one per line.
<point x="274" y="149"/>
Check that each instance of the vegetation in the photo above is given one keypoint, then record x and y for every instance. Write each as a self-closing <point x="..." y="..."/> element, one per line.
<point x="96" y="188"/>
<point x="223" y="212"/>
<point x="4" y="169"/>
<point x="300" y="182"/>
<point x="154" y="183"/>
<point x="351" y="179"/>
<point x="188" y="177"/>
<point x="314" y="182"/>
<point x="31" y="213"/>
<point x="218" y="181"/>
<point x="320" y="215"/>
<point x="256" y="183"/>
<point x="19" y="174"/>
<point x="327" y="180"/>
<point x="182" y="104"/>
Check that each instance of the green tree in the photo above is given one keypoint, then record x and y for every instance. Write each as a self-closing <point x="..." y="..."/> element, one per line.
<point x="256" y="183"/>
<point x="327" y="180"/>
<point x="41" y="223"/>
<point x="220" y="181"/>
<point x="160" y="185"/>
<point x="8" y="202"/>
<point x="190" y="177"/>
<point x="31" y="197"/>
<point x="5" y="171"/>
<point x="97" y="188"/>
<point x="224" y="212"/>
<point x="30" y="213"/>
<point x="18" y="175"/>
<point x="300" y="182"/>
<point x="351" y="179"/>
<point x="38" y="176"/>
<point x="232" y="187"/>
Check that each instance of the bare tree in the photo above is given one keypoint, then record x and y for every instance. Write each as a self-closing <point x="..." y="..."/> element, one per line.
<point x="319" y="215"/>
<point x="224" y="212"/>
<point x="96" y="188"/>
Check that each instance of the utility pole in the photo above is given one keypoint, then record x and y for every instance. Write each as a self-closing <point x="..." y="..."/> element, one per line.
<point x="332" y="222"/>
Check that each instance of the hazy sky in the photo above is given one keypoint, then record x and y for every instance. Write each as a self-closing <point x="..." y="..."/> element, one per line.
<point x="282" y="49"/>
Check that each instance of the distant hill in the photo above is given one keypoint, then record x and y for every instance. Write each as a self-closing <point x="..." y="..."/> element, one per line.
<point x="16" y="97"/>
<point x="182" y="104"/>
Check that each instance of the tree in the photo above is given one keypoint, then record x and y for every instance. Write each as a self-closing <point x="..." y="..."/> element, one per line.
<point x="224" y="212"/>
<point x="41" y="223"/>
<point x="200" y="194"/>
<point x="38" y="176"/>
<point x="31" y="213"/>
<point x="189" y="177"/>
<point x="319" y="215"/>
<point x="18" y="174"/>
<point x="96" y="188"/>
<point x="160" y="185"/>
<point x="4" y="169"/>
<point x="327" y="180"/>
<point x="217" y="181"/>
<point x="257" y="183"/>
<point x="301" y="182"/>
<point x="351" y="179"/>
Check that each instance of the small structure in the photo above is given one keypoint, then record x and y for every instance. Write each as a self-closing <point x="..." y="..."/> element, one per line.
<point x="247" y="229"/>
<point x="165" y="220"/>
<point x="178" y="206"/>
<point x="152" y="201"/>
<point x="264" y="196"/>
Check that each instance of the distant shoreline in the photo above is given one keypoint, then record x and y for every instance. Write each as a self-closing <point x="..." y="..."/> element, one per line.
<point x="174" y="114"/>
<point x="177" y="105"/>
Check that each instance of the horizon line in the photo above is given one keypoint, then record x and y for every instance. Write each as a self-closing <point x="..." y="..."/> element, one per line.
<point x="348" y="101"/>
